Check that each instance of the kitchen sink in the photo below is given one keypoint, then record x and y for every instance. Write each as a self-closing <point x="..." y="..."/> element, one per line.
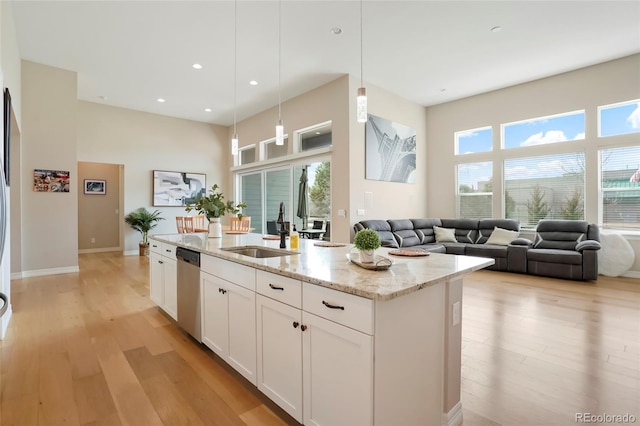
<point x="259" y="251"/>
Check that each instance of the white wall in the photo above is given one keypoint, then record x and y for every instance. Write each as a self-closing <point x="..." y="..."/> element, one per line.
<point x="50" y="230"/>
<point x="390" y="200"/>
<point x="336" y="101"/>
<point x="144" y="142"/>
<point x="326" y="103"/>
<point x="586" y="88"/>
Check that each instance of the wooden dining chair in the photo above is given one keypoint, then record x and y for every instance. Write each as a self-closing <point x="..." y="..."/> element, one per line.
<point x="199" y="223"/>
<point x="180" y="224"/>
<point x="188" y="225"/>
<point x="240" y="224"/>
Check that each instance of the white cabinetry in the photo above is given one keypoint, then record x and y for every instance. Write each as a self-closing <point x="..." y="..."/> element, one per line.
<point x="229" y="313"/>
<point x="163" y="284"/>
<point x="279" y="320"/>
<point x="337" y="358"/>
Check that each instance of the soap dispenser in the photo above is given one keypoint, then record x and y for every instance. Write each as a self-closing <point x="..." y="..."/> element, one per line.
<point x="294" y="239"/>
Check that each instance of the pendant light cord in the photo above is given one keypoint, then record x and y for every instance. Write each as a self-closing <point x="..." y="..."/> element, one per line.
<point x="279" y="60"/>
<point x="235" y="66"/>
<point x="361" y="44"/>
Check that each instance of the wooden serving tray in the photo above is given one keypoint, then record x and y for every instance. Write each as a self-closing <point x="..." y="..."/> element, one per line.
<point x="409" y="252"/>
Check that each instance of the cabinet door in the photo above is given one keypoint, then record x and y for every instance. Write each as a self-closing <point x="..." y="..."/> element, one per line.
<point x="215" y="314"/>
<point x="337" y="373"/>
<point x="170" y="278"/>
<point x="280" y="354"/>
<point x="242" y="331"/>
<point x="156" y="285"/>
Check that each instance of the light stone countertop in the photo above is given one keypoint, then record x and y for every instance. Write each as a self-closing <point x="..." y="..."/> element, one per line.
<point x="330" y="267"/>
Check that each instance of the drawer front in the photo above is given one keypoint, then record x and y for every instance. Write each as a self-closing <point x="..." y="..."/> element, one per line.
<point x="169" y="250"/>
<point x="241" y="275"/>
<point x="284" y="289"/>
<point x="346" y="309"/>
<point x="155" y="246"/>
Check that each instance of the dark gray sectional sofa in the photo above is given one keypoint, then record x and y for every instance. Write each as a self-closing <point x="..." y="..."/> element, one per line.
<point x="562" y="248"/>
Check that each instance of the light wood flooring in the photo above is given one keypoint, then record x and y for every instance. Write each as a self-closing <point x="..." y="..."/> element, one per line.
<point x="91" y="349"/>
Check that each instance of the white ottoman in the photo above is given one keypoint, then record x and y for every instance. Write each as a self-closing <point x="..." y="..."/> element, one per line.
<point x="616" y="255"/>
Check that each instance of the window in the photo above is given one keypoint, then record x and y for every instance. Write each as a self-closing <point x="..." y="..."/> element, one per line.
<point x="619" y="119"/>
<point x="475" y="190"/>
<point x="548" y="187"/>
<point x="315" y="137"/>
<point x="620" y="187"/>
<point x="475" y="140"/>
<point x="544" y="130"/>
<point x="247" y="155"/>
<point x="271" y="150"/>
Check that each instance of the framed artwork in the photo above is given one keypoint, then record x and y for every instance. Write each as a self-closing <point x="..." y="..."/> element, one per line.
<point x="390" y="151"/>
<point x="177" y="189"/>
<point x="50" y="180"/>
<point x="95" y="186"/>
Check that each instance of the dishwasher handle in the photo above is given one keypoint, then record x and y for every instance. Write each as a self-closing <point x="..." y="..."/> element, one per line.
<point x="188" y="256"/>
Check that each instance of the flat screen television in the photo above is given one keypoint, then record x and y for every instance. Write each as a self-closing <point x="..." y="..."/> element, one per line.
<point x="7" y="132"/>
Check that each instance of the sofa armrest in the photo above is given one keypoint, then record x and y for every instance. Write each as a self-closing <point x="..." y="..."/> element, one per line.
<point x="588" y="245"/>
<point x="521" y="242"/>
<point x="517" y="258"/>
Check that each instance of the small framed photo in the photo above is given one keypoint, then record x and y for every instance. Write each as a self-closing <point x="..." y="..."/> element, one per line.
<point x="95" y="187"/>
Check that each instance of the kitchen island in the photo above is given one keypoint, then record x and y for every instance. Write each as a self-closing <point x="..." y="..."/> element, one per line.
<point x="329" y="341"/>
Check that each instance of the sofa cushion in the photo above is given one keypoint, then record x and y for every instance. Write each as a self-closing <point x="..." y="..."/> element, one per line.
<point x="455" y="248"/>
<point x="445" y="235"/>
<point x="560" y="234"/>
<point x="404" y="233"/>
<point x="486" y="227"/>
<point x="466" y="229"/>
<point x="424" y="229"/>
<point x="502" y="237"/>
<point x="433" y="248"/>
<point x="554" y="256"/>
<point x="487" y="250"/>
<point x="383" y="229"/>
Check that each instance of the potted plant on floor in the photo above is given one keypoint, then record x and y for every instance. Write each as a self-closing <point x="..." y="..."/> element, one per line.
<point x="213" y="207"/>
<point x="142" y="220"/>
<point x="367" y="241"/>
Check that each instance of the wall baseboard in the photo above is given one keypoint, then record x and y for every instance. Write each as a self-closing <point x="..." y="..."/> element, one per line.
<point x="99" y="250"/>
<point x="50" y="271"/>
<point x="16" y="275"/>
<point x="632" y="274"/>
<point x="454" y="416"/>
<point x="131" y="253"/>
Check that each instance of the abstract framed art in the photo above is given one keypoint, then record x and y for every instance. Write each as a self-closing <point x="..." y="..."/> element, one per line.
<point x="95" y="187"/>
<point x="390" y="150"/>
<point x="177" y="189"/>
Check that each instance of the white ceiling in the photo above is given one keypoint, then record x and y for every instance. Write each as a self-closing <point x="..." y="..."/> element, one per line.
<point x="133" y="52"/>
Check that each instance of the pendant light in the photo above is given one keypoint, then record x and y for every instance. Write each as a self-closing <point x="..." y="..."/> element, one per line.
<point x="279" y="127"/>
<point x="361" y="99"/>
<point x="234" y="139"/>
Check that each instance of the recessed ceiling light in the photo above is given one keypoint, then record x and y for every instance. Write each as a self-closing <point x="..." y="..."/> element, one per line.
<point x="207" y="109"/>
<point x="496" y="29"/>
<point x="197" y="66"/>
<point x="102" y="97"/>
<point x="336" y="31"/>
<point x="317" y="133"/>
<point x="253" y="83"/>
<point x="443" y="90"/>
<point x="160" y="100"/>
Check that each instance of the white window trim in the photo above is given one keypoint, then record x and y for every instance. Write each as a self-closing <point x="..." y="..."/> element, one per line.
<point x="617" y="104"/>
<point x="456" y="136"/>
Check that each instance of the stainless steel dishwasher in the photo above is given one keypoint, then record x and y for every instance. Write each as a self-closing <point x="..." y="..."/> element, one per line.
<point x="189" y="292"/>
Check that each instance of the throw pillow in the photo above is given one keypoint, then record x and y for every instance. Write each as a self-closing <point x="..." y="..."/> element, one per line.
<point x="445" y="235"/>
<point x="502" y="237"/>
